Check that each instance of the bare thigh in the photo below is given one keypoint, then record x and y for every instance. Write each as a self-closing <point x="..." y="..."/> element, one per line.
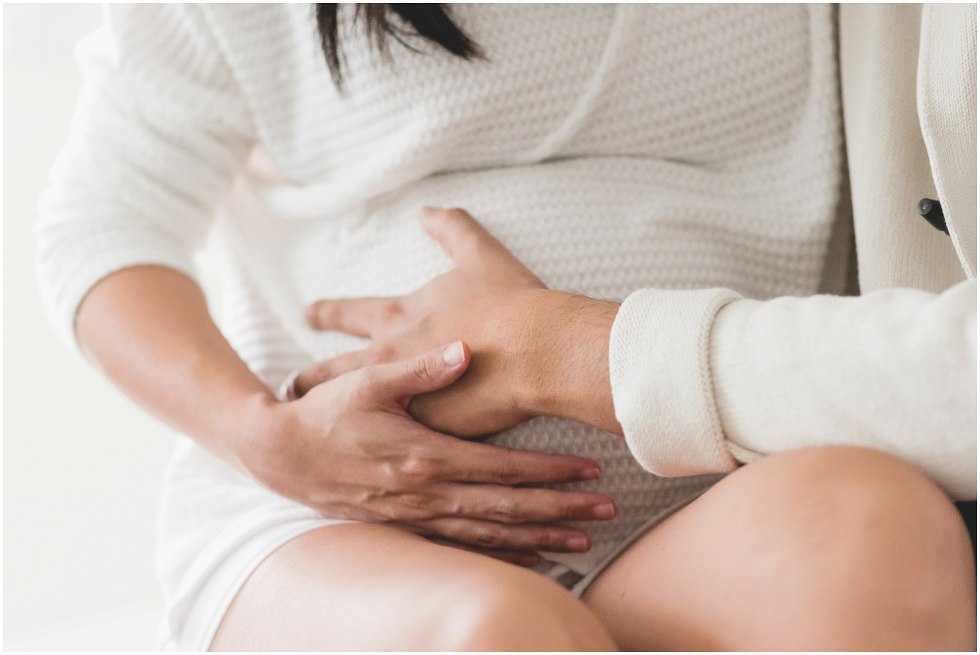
<point x="369" y="587"/>
<point x="818" y="549"/>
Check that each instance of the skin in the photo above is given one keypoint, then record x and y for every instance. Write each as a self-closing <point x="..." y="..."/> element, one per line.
<point x="819" y="549"/>
<point x="831" y="547"/>
<point x="370" y="587"/>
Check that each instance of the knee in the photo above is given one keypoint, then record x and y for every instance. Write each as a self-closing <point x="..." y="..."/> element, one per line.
<point x="879" y="555"/>
<point x="521" y="611"/>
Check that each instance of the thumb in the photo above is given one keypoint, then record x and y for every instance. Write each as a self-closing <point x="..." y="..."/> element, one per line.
<point x="456" y="231"/>
<point x="428" y="372"/>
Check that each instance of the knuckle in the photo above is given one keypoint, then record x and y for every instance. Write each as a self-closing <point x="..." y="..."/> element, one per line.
<point x="454" y="506"/>
<point x="508" y="508"/>
<point x="554" y="540"/>
<point x="390" y="310"/>
<point x="571" y="510"/>
<point x="418" y="469"/>
<point x="507" y="470"/>
<point x="471" y="240"/>
<point x="383" y="354"/>
<point x="556" y="504"/>
<point x="422" y="369"/>
<point x="364" y="386"/>
<point x="373" y="505"/>
<point x="367" y="497"/>
<point x="415" y="501"/>
<point x="387" y="514"/>
<point x="361" y="395"/>
<point x="323" y="371"/>
<point x="489" y="535"/>
<point x="387" y="469"/>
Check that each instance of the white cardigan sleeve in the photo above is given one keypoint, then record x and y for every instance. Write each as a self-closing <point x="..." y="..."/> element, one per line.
<point x="157" y="136"/>
<point x="703" y="381"/>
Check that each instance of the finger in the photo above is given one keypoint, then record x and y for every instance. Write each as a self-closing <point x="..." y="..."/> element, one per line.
<point x="428" y="372"/>
<point x="489" y="534"/>
<point x="505" y="504"/>
<point x="527" y="558"/>
<point x="457" y="232"/>
<point x="498" y="503"/>
<point x="328" y="369"/>
<point x="470" y="461"/>
<point x="357" y="316"/>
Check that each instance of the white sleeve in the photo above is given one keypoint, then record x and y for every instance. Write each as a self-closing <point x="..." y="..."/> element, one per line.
<point x="158" y="134"/>
<point x="895" y="370"/>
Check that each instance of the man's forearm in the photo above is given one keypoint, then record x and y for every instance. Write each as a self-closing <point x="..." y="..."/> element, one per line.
<point x="567" y="374"/>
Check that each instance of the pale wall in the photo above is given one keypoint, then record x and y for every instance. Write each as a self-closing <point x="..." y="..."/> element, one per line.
<point x="82" y="466"/>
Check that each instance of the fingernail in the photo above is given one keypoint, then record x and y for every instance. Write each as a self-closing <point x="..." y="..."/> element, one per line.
<point x="604" y="511"/>
<point x="578" y="544"/>
<point x="453" y="354"/>
<point x="590" y="474"/>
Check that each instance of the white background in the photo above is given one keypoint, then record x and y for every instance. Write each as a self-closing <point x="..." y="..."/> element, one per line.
<point x="82" y="466"/>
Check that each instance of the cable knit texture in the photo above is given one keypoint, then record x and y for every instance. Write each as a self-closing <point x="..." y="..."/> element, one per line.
<point x="611" y="148"/>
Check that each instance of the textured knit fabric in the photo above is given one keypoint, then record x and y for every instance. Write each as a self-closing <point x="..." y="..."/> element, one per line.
<point x="683" y="403"/>
<point x="611" y="148"/>
<point x="947" y="110"/>
<point x="894" y="370"/>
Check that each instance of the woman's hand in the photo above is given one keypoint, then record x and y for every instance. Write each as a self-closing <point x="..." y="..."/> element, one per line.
<point x="349" y="449"/>
<point x="536" y="351"/>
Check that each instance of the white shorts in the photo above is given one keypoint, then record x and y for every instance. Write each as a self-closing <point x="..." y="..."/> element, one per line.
<point x="217" y="526"/>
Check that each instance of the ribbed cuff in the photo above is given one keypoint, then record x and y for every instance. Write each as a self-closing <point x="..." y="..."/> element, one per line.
<point x="661" y="380"/>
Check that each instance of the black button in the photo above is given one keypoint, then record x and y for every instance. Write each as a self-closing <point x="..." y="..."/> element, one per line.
<point x="932" y="211"/>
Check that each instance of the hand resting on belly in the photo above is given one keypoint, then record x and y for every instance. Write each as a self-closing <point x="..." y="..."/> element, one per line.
<point x="536" y="352"/>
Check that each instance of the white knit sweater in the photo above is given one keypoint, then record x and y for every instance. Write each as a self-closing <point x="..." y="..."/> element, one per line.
<point x="612" y="148"/>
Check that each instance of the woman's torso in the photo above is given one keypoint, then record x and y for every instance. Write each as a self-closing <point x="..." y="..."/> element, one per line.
<point x="610" y="147"/>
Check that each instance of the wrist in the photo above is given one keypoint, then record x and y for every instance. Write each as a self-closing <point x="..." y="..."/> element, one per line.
<point x="566" y="369"/>
<point x="261" y="422"/>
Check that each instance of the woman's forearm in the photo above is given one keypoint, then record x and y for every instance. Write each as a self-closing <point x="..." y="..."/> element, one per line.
<point x="148" y="329"/>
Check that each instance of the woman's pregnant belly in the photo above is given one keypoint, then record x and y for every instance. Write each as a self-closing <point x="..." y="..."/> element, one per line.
<point x="601" y="227"/>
